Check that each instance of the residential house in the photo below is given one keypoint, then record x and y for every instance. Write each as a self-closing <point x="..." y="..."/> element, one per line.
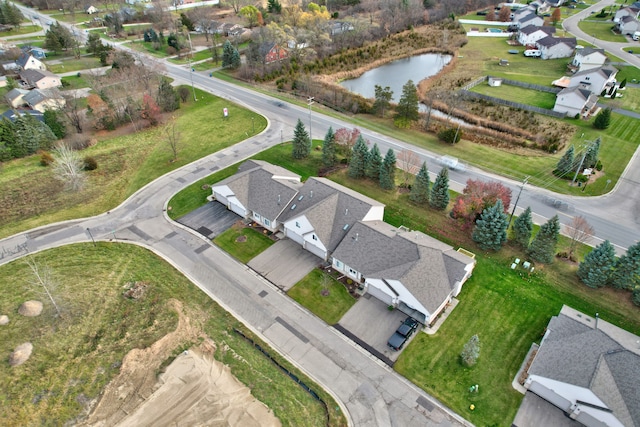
<point x="14" y="114"/>
<point x="339" y="27"/>
<point x="28" y="61"/>
<point x="576" y="101"/>
<point x="631" y="11"/>
<point x="259" y="191"/>
<point x="628" y="25"/>
<point x="555" y="3"/>
<point x="323" y="212"/>
<point x="45" y="99"/>
<point x="556" y="47"/>
<point x="589" y="369"/>
<point x="408" y="270"/>
<point x="40" y="79"/>
<point x="90" y="10"/>
<point x="588" y="58"/>
<point x="15" y="97"/>
<point x="272" y="52"/>
<point x="37" y="52"/>
<point x="10" y="66"/>
<point x="3" y="81"/>
<point x="524" y="20"/>
<point x="595" y="79"/>
<point x="541" y="7"/>
<point x="523" y="11"/>
<point x="531" y="34"/>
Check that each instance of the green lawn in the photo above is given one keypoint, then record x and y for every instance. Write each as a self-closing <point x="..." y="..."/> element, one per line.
<point x="77" y="354"/>
<point x="74" y="82"/>
<point x="243" y="243"/>
<point x="601" y="31"/>
<point x="323" y="296"/>
<point x="631" y="73"/>
<point x="147" y="47"/>
<point x="198" y="56"/>
<point x="628" y="99"/>
<point x="74" y="64"/>
<point x="518" y="94"/>
<point x="24" y="29"/>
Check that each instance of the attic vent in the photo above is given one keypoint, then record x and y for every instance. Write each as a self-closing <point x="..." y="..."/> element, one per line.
<point x="293" y="206"/>
<point x="301" y="197"/>
<point x="355" y="237"/>
<point x="346" y="212"/>
<point x="345" y="227"/>
<point x="278" y="199"/>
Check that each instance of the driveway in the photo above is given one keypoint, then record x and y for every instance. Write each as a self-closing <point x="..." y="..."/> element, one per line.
<point x="370" y="323"/>
<point x="535" y="411"/>
<point x="210" y="220"/>
<point x="285" y="263"/>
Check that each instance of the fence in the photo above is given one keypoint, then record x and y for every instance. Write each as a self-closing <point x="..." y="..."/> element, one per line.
<point x="467" y="94"/>
<point x="547" y="89"/>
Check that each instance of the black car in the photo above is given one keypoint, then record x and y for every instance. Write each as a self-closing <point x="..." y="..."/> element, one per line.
<point x="402" y="334"/>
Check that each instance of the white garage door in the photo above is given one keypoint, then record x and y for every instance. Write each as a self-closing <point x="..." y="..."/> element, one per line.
<point x="237" y="209"/>
<point x="222" y="199"/>
<point x="316" y="250"/>
<point x="379" y="294"/>
<point x="295" y="237"/>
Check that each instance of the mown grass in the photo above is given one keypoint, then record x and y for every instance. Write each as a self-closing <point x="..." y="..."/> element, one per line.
<point x="23" y="29"/>
<point x="74" y="82"/>
<point x="77" y="354"/>
<point x="627" y="99"/>
<point x="74" y="64"/>
<point x="519" y="94"/>
<point x="197" y="56"/>
<point x="601" y="31"/>
<point x="125" y="164"/>
<point x="323" y="296"/>
<point x="243" y="243"/>
<point x="629" y="72"/>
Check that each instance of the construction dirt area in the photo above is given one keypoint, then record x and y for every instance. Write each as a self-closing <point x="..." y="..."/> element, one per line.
<point x="195" y="389"/>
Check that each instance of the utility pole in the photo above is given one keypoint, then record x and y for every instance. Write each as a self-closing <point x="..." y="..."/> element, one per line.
<point x="310" y="103"/>
<point x="584" y="156"/>
<point x="190" y="68"/>
<point x="516" y="203"/>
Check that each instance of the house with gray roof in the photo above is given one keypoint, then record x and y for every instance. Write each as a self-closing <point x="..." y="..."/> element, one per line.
<point x="15" y="97"/>
<point x="27" y="61"/>
<point x="259" y="191"/>
<point x="588" y="58"/>
<point x="628" y="25"/>
<point x="595" y="80"/>
<point x="44" y="99"/>
<point x="40" y="79"/>
<point x="525" y="19"/>
<point x="576" y="101"/>
<point x="531" y="34"/>
<point x="589" y="369"/>
<point x="408" y="270"/>
<point x="623" y="12"/>
<point x="556" y="47"/>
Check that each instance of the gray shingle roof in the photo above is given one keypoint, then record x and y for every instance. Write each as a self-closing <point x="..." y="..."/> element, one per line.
<point x="585" y="51"/>
<point x="15" y="93"/>
<point x="552" y="41"/>
<point x="530" y="29"/>
<point x="33" y="76"/>
<point x="34" y="97"/>
<point x="579" y="354"/>
<point x="428" y="268"/>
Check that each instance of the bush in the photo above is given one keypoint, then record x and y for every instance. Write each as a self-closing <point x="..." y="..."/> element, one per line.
<point x="90" y="163"/>
<point x="450" y="135"/>
<point x="599" y="166"/>
<point x="635" y="296"/>
<point x="45" y="158"/>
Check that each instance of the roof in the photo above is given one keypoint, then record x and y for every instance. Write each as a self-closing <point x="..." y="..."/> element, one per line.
<point x="600" y="359"/>
<point x="15" y="94"/>
<point x="627" y="19"/>
<point x="582" y="93"/>
<point x="530" y="29"/>
<point x="605" y="72"/>
<point x="550" y="41"/>
<point x="528" y="17"/>
<point x="329" y="207"/>
<point x="23" y="59"/>
<point x="36" y="96"/>
<point x="14" y="114"/>
<point x="427" y="267"/>
<point x="586" y="51"/>
<point x="32" y="76"/>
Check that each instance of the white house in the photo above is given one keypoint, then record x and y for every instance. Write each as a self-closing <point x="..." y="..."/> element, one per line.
<point x="589" y="369"/>
<point x="541" y="6"/>
<point x="595" y="79"/>
<point x="40" y="79"/>
<point x="259" y="191"/>
<point x="45" y="99"/>
<point x="628" y="25"/>
<point x="323" y="212"/>
<point x="575" y="100"/>
<point x="531" y="34"/>
<point x="28" y="61"/>
<point x="588" y="58"/>
<point x="524" y="20"/>
<point x="408" y="270"/>
<point x="90" y="10"/>
<point x="626" y="11"/>
<point x="556" y="47"/>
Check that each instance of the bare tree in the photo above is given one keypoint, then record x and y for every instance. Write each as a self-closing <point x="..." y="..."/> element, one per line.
<point x="73" y="111"/>
<point x="409" y="163"/>
<point x="579" y="232"/>
<point x="42" y="278"/>
<point x="172" y="137"/>
<point x="68" y="167"/>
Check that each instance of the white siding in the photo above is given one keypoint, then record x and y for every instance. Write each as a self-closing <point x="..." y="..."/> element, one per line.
<point x="380" y="291"/>
<point x="297" y="228"/>
<point x="315" y="246"/>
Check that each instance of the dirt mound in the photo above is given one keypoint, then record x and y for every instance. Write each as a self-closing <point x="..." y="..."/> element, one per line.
<point x="4" y="319"/>
<point x="21" y="354"/>
<point x="30" y="308"/>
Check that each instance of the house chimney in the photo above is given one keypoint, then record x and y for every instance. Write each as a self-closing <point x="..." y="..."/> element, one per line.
<point x="597" y="317"/>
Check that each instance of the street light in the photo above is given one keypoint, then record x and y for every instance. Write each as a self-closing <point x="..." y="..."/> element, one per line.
<point x="310" y="103"/>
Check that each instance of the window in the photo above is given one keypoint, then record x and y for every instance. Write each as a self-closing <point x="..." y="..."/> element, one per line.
<point x="338" y="264"/>
<point x="297" y="224"/>
<point x="267" y="222"/>
<point x="256" y="215"/>
<point x="352" y="271"/>
<point x="314" y="237"/>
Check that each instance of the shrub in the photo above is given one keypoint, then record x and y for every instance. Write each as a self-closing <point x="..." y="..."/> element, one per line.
<point x="90" y="164"/>
<point x="471" y="351"/>
<point x="635" y="297"/>
<point x="450" y="135"/>
<point x="45" y="158"/>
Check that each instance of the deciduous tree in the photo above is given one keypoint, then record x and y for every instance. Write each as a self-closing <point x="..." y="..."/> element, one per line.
<point x="68" y="167"/>
<point x="42" y="278"/>
<point x="409" y="164"/>
<point x="476" y="197"/>
<point x="439" y="197"/>
<point x="556" y="15"/>
<point x="626" y="272"/>
<point x="543" y="247"/>
<point x="505" y="14"/>
<point x="172" y="138"/>
<point x="595" y="271"/>
<point x="421" y="186"/>
<point x="383" y="99"/>
<point x="346" y="140"/>
<point x="522" y="229"/>
<point x="301" y="141"/>
<point x="491" y="228"/>
<point x="579" y="231"/>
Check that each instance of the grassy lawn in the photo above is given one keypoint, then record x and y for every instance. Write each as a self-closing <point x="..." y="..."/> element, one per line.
<point x="518" y="94"/>
<point x="73" y="64"/>
<point x="242" y="242"/>
<point x="198" y="56"/>
<point x="74" y="82"/>
<point x="77" y="354"/>
<point x="331" y="305"/>
<point x="601" y="31"/>
<point x="24" y="29"/>
<point x="631" y="73"/>
<point x="628" y="99"/>
<point x="125" y="164"/>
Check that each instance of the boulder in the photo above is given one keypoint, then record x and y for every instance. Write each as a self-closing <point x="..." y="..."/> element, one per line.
<point x="30" y="308"/>
<point x="21" y="354"/>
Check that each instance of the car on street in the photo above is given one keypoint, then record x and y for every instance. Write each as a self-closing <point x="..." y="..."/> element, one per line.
<point x="402" y="334"/>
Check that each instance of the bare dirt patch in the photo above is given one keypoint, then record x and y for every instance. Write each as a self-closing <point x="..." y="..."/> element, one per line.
<point x="30" y="308"/>
<point x="21" y="354"/>
<point x="4" y="320"/>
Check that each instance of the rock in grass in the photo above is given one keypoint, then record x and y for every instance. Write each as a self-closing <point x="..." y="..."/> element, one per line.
<point x="4" y="319"/>
<point x="30" y="308"/>
<point x="21" y="354"/>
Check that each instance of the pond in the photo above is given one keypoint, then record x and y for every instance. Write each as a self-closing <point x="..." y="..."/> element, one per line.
<point x="397" y="73"/>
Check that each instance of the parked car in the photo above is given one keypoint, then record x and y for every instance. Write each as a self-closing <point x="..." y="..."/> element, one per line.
<point x="532" y="53"/>
<point x="402" y="334"/>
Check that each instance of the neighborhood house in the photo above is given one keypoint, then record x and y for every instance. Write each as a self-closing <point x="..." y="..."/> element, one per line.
<point x="576" y="101"/>
<point x="587" y="58"/>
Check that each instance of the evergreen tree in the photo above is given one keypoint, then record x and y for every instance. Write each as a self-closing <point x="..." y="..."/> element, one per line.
<point x="168" y="98"/>
<point x="603" y="119"/>
<point x="358" y="158"/>
<point x="373" y="163"/>
<point x="522" y="228"/>
<point x="439" y="197"/>
<point x="7" y="139"/>
<point x="543" y="246"/>
<point x="471" y="351"/>
<point x="383" y="99"/>
<point x="566" y="162"/>
<point x="593" y="153"/>
<point x="407" y="110"/>
<point x="421" y="186"/>
<point x="11" y="15"/>
<point x="491" y="228"/>
<point x="623" y="83"/>
<point x="274" y="6"/>
<point x="52" y="118"/>
<point x="52" y="42"/>
<point x="32" y="135"/>
<point x="595" y="271"/>
<point x="301" y="143"/>
<point x="187" y="22"/>
<point x="230" y="56"/>
<point x="635" y="296"/>
<point x="626" y="271"/>
<point x="329" y="158"/>
<point x="388" y="171"/>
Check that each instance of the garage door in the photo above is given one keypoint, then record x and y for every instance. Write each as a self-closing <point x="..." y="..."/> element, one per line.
<point x="316" y="250"/>
<point x="222" y="199"/>
<point x="295" y="237"/>
<point x="379" y="294"/>
<point x="237" y="209"/>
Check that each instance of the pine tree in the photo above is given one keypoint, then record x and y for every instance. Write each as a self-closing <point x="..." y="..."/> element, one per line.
<point x="635" y="296"/>
<point x="522" y="228"/>
<point x="301" y="142"/>
<point x="32" y="135"/>
<point x="603" y="119"/>
<point x="168" y="98"/>
<point x="388" y="171"/>
<point x="407" y="109"/>
<point x="8" y="139"/>
<point x="565" y="164"/>
<point x="595" y="271"/>
<point x="623" y="83"/>
<point x="593" y="153"/>
<point x="52" y="119"/>
<point x="543" y="246"/>
<point x="626" y="271"/>
<point x="491" y="228"/>
<point x="439" y="197"/>
<point x="329" y="158"/>
<point x="471" y="351"/>
<point x="383" y="98"/>
<point x="358" y="158"/>
<point x="230" y="56"/>
<point x="421" y="186"/>
<point x="373" y="163"/>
